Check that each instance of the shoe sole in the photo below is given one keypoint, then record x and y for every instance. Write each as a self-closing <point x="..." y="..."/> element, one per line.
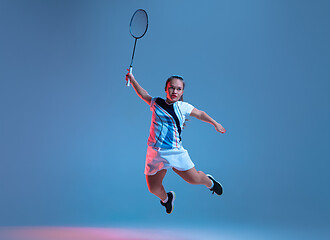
<point x="210" y="176"/>
<point x="174" y="196"/>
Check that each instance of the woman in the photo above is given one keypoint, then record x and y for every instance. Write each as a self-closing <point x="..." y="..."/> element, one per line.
<point x="165" y="149"/>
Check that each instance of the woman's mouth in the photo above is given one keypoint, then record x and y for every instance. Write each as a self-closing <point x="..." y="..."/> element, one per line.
<point x="173" y="96"/>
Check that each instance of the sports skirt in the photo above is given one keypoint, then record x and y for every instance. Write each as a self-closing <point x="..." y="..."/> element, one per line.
<point x="158" y="159"/>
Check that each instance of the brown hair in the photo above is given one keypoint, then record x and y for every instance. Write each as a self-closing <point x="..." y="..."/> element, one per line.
<point x="175" y="77"/>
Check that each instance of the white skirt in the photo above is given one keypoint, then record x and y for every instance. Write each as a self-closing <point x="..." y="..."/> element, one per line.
<point x="158" y="159"/>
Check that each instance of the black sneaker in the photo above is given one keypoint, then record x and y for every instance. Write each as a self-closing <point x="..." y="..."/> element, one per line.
<point x="169" y="205"/>
<point x="217" y="188"/>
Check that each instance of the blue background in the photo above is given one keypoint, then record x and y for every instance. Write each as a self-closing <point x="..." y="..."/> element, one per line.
<point x="73" y="136"/>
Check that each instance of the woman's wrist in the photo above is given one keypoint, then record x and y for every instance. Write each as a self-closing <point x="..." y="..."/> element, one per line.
<point x="133" y="81"/>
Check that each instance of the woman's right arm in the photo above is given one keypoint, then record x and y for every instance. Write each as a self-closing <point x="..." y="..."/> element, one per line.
<point x="141" y="92"/>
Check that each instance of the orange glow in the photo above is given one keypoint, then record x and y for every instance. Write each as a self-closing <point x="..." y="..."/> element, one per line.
<point x="82" y="233"/>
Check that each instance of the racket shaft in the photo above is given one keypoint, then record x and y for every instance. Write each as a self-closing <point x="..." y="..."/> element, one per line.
<point x="133" y="52"/>
<point x="130" y="67"/>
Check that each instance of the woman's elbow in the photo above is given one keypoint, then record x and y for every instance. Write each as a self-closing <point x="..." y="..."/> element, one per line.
<point x="202" y="115"/>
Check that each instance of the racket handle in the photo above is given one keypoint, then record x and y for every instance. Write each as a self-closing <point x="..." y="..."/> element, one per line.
<point x="128" y="81"/>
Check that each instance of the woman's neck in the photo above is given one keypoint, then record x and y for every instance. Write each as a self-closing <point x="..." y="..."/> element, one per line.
<point x="169" y="102"/>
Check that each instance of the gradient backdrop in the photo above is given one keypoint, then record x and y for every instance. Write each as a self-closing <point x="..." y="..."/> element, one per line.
<point x="73" y="136"/>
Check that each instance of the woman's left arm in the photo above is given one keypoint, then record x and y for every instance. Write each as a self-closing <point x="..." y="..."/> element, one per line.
<point x="201" y="115"/>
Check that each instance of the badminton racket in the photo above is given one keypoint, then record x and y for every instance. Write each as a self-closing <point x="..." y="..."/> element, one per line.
<point x="138" y="27"/>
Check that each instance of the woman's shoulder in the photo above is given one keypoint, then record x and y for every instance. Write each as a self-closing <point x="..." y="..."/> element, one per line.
<point x="183" y="103"/>
<point x="185" y="106"/>
<point x="157" y="100"/>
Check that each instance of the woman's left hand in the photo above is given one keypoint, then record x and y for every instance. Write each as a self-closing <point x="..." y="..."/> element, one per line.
<point x="220" y="128"/>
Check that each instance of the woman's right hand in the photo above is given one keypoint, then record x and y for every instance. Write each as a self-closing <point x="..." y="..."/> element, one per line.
<point x="129" y="76"/>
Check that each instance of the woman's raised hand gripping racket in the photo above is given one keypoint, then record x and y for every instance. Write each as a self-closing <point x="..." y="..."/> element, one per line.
<point x="138" y="27"/>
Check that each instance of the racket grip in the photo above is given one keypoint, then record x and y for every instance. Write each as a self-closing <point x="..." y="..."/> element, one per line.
<point x="128" y="81"/>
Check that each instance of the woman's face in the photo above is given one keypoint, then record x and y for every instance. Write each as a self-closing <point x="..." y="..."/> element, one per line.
<point x="174" y="90"/>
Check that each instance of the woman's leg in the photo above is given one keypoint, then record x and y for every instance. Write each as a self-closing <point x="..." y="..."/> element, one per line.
<point x="193" y="177"/>
<point x="155" y="184"/>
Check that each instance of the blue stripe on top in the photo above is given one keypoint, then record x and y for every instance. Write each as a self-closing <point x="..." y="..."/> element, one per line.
<point x="170" y="109"/>
<point x="168" y="139"/>
<point x="167" y="122"/>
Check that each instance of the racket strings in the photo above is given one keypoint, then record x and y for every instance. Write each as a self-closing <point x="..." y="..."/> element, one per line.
<point x="139" y="24"/>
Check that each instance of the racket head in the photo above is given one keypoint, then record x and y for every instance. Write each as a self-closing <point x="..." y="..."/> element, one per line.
<point x="139" y="24"/>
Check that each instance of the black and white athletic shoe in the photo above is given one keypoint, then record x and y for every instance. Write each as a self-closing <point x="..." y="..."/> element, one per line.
<point x="217" y="188"/>
<point x="169" y="205"/>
